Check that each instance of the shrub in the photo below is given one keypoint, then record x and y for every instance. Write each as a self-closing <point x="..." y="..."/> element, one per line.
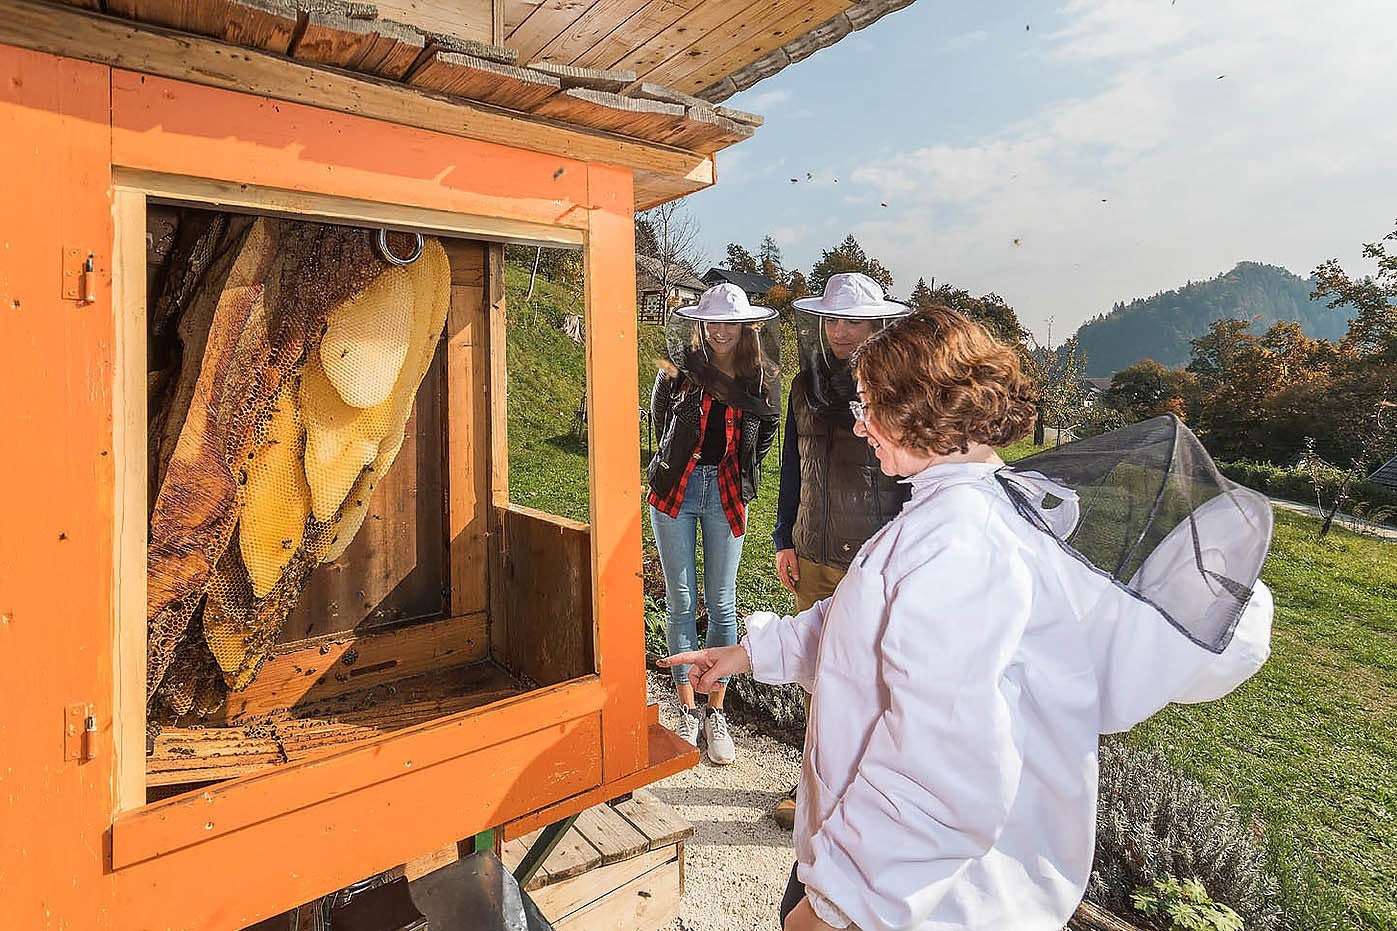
<point x="1153" y="824"/>
<point x="1298" y="485"/>
<point x="1184" y="905"/>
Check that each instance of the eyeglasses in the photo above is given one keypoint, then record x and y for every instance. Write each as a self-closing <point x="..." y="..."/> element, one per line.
<point x="860" y="411"/>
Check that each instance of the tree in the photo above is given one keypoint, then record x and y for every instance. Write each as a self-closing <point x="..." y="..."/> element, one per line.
<point x="990" y="310"/>
<point x="848" y="256"/>
<point x="1149" y="389"/>
<point x="922" y="296"/>
<point x="1062" y="392"/>
<point x="769" y="260"/>
<point x="646" y="243"/>
<point x="1373" y="328"/>
<point x="799" y="287"/>
<point x="740" y="260"/>
<point x="676" y="237"/>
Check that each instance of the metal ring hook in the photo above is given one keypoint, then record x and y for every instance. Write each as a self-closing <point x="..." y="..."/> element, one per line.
<point x="388" y="255"/>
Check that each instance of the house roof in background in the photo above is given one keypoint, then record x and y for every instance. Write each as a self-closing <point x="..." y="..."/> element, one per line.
<point x="1386" y="475"/>
<point x="649" y="269"/>
<point x="747" y="281"/>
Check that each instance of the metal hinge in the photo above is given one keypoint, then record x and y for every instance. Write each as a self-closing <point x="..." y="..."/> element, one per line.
<point x="79" y="276"/>
<point x="79" y="733"/>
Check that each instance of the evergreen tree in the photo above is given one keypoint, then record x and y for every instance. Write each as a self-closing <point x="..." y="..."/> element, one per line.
<point x="646" y="242"/>
<point x="769" y="261"/>
<point x="740" y="260"/>
<point x="848" y="256"/>
<point x="922" y="296"/>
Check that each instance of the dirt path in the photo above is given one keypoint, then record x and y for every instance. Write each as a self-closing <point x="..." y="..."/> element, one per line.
<point x="738" y="860"/>
<point x="1356" y="524"/>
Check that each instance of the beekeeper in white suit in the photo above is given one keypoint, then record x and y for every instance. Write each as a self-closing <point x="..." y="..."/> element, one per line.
<point x="982" y="641"/>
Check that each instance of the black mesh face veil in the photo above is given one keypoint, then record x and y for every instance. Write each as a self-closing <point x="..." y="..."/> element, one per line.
<point x="830" y="379"/>
<point x="755" y="386"/>
<point x="1146" y="506"/>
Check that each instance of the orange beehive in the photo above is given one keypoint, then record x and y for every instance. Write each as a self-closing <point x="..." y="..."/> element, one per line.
<point x="522" y="630"/>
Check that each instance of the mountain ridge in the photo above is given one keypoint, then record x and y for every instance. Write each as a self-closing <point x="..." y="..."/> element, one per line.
<point x="1160" y="327"/>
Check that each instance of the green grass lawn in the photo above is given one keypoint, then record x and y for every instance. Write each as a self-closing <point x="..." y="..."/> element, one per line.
<point x="1308" y="747"/>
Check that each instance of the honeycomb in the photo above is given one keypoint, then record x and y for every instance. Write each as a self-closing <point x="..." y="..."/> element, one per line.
<point x="306" y="395"/>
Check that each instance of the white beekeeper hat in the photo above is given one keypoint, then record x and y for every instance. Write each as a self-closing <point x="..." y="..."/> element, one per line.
<point x="725" y="303"/>
<point x="854" y="296"/>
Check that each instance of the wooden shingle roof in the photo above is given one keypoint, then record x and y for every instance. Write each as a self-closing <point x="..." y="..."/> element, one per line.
<point x="651" y="71"/>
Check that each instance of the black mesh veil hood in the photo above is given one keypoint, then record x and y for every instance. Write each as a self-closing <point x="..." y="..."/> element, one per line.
<point x="1147" y="506"/>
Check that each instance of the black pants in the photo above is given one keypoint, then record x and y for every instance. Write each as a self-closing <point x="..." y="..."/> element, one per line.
<point x="795" y="891"/>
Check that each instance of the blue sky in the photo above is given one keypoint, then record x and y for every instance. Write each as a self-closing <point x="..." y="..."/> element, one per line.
<point x="1069" y="156"/>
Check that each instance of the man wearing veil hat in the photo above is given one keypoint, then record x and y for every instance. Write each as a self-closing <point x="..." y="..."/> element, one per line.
<point x="833" y="495"/>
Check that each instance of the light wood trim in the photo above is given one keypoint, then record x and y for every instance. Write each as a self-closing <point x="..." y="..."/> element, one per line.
<point x="465" y="19"/>
<point x="498" y="417"/>
<point x="559" y="900"/>
<point x="129" y="497"/>
<point x="499" y="376"/>
<point x="75" y="33"/>
<point x="303" y="671"/>
<point x="334" y="209"/>
<point x="467" y="430"/>
<point x="566" y="523"/>
<point x="651" y="900"/>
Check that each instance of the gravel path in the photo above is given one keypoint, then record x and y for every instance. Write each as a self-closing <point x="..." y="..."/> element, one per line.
<point x="738" y="860"/>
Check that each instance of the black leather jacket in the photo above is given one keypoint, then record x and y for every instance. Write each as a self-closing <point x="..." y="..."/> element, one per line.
<point x="675" y="410"/>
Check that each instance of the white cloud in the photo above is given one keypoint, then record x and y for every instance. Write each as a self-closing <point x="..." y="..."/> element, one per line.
<point x="965" y="40"/>
<point x="764" y="102"/>
<point x="1286" y="159"/>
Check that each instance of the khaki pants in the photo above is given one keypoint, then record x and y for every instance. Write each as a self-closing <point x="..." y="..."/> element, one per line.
<point x="816" y="582"/>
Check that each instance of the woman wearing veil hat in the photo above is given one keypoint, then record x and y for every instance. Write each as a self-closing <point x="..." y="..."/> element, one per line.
<point x="983" y="640"/>
<point x="833" y="495"/>
<point x="714" y="408"/>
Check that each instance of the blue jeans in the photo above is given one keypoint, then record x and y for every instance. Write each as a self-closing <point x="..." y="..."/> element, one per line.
<point x="677" y="540"/>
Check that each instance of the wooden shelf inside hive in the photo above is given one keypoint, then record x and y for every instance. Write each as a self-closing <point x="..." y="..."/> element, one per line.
<point x="204" y="753"/>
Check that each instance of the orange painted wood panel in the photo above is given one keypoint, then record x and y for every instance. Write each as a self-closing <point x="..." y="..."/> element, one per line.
<point x="668" y="754"/>
<point x="349" y="813"/>
<point x="56" y="489"/>
<point x="245" y="876"/>
<point x="261" y="800"/>
<point x="616" y="503"/>
<point x="159" y="124"/>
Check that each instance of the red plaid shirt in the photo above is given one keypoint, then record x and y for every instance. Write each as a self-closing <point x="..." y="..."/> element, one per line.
<point x="729" y="473"/>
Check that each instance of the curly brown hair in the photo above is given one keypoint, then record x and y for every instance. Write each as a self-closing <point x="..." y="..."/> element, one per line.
<point x="937" y="381"/>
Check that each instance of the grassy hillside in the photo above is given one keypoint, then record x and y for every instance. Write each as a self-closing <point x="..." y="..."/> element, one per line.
<point x="1308" y="747"/>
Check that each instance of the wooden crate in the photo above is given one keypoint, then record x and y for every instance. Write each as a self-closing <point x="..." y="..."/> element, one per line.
<point x="619" y="868"/>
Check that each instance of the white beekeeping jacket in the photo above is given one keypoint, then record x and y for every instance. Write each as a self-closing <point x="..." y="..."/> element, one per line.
<point x="961" y="676"/>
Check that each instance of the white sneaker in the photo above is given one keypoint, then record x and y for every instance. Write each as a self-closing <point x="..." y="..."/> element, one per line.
<point x="715" y="730"/>
<point x="688" y="726"/>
